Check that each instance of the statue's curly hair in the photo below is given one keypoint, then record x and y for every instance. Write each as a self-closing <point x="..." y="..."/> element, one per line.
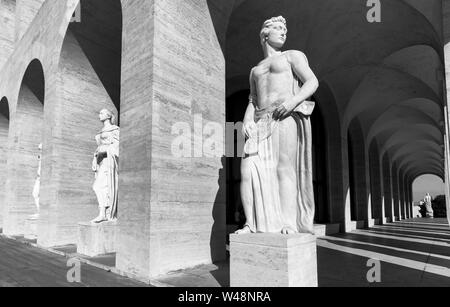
<point x="266" y="26"/>
<point x="111" y="116"/>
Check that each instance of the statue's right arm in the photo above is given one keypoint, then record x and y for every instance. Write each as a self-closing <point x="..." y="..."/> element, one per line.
<point x="249" y="119"/>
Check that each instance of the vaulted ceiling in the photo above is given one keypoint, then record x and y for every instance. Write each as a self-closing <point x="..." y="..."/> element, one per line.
<point x="389" y="76"/>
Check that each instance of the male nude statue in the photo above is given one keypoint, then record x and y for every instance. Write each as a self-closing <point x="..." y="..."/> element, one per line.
<point x="276" y="188"/>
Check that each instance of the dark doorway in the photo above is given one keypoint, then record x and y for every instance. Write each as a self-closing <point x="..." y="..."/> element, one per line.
<point x="319" y="157"/>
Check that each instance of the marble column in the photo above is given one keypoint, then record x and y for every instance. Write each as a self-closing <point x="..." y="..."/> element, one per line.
<point x="172" y="209"/>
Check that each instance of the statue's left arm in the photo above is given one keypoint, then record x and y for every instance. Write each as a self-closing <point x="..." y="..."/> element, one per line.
<point x="115" y="140"/>
<point x="300" y="67"/>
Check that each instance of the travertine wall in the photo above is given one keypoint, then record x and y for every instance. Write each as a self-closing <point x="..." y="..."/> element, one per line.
<point x="26" y="11"/>
<point x="7" y="29"/>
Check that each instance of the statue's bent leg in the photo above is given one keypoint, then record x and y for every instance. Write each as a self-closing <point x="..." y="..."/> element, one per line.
<point x="287" y="173"/>
<point x="100" y="188"/>
<point x="247" y="195"/>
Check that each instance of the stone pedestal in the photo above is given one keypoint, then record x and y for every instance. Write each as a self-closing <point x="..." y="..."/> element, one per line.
<point x="273" y="260"/>
<point x="322" y="230"/>
<point x="31" y="225"/>
<point x="96" y="239"/>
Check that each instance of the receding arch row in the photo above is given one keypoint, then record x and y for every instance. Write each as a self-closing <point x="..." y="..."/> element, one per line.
<point x="24" y="138"/>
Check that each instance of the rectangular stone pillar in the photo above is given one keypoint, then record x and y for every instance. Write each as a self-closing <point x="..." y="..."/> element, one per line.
<point x="273" y="260"/>
<point x="401" y="195"/>
<point x="171" y="208"/>
<point x="446" y="36"/>
<point x="387" y="184"/>
<point x="342" y="211"/>
<point x="376" y="186"/>
<point x="360" y="161"/>
<point x="396" y="192"/>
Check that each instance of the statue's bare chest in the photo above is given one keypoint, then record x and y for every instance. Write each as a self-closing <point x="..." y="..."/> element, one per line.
<point x="276" y="65"/>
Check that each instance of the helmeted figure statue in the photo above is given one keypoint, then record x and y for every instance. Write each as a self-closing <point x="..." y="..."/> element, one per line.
<point x="105" y="166"/>
<point x="277" y="185"/>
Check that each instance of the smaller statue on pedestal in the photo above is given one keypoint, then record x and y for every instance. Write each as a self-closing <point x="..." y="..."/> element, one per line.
<point x="428" y="205"/>
<point x="105" y="165"/>
<point x="37" y="183"/>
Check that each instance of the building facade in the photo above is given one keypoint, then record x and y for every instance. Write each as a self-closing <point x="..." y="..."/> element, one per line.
<point x="381" y="120"/>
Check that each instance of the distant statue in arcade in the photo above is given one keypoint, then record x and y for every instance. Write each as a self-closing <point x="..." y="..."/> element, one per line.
<point x="277" y="184"/>
<point x="37" y="183"/>
<point x="428" y="205"/>
<point x="105" y="165"/>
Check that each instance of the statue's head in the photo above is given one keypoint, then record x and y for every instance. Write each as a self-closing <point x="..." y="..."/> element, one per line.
<point x="105" y="115"/>
<point x="274" y="32"/>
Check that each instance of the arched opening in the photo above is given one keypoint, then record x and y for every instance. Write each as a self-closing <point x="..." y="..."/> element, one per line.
<point x="98" y="38"/>
<point x="25" y="136"/>
<point x="320" y="177"/>
<point x="434" y="185"/>
<point x="89" y="80"/>
<point x="235" y="110"/>
<point x="4" y="128"/>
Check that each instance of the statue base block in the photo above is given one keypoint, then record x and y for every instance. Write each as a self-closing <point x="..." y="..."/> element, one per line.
<point x="96" y="239"/>
<point x="31" y="225"/>
<point x="273" y="260"/>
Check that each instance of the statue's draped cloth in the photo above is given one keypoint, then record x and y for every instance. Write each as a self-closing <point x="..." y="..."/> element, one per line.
<point x="107" y="177"/>
<point x="262" y="149"/>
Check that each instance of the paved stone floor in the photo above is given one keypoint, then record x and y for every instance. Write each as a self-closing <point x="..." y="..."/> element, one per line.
<point x="25" y="266"/>
<point x="411" y="253"/>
